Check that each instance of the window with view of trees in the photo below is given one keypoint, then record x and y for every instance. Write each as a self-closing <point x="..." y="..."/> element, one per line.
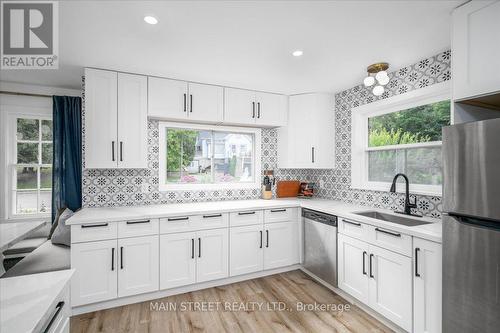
<point x="33" y="166"/>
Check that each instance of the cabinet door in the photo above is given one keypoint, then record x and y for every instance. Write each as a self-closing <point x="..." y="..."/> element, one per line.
<point x="324" y="141"/>
<point x="240" y="107"/>
<point x="138" y="265"/>
<point x="177" y="260"/>
<point x="212" y="256"/>
<point x="95" y="278"/>
<point x="353" y="267"/>
<point x="132" y="121"/>
<point x="475" y="51"/>
<point x="271" y="109"/>
<point x="206" y="103"/>
<point x="391" y="285"/>
<point x="167" y="99"/>
<point x="280" y="244"/>
<point x="101" y="119"/>
<point x="246" y="249"/>
<point x="427" y="286"/>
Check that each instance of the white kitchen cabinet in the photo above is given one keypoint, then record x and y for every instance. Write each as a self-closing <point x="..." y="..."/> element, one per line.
<point x="475" y="49"/>
<point x="353" y="267"/>
<point x="115" y="120"/>
<point x="427" y="286"/>
<point x="132" y="121"/>
<point x="308" y="139"/>
<point x="212" y="260"/>
<point x="138" y="265"/>
<point x="280" y="244"/>
<point x="177" y="259"/>
<point x="390" y="278"/>
<point x="246" y="249"/>
<point x="206" y="103"/>
<point x="101" y="118"/>
<point x="95" y="278"/>
<point x="246" y="107"/>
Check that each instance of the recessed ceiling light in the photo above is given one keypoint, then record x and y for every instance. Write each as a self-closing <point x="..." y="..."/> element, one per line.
<point x="297" y="53"/>
<point x="150" y="19"/>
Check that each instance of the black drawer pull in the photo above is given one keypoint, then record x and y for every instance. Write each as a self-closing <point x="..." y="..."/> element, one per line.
<point x="121" y="257"/>
<point x="178" y="218"/>
<point x="57" y="309"/>
<point x="371" y="268"/>
<point x="210" y="216"/>
<point x="417" y="274"/>
<point x="94" y="225"/>
<point x="246" y="213"/>
<point x="353" y="223"/>
<point x="267" y="238"/>
<point x="278" y="210"/>
<point x="199" y="247"/>
<point x="138" y="222"/>
<point x="113" y="259"/>
<point x="192" y="248"/>
<point x="395" y="234"/>
<point x="260" y="247"/>
<point x="364" y="270"/>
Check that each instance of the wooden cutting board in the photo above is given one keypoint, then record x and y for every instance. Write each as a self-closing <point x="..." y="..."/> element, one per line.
<point x="287" y="188"/>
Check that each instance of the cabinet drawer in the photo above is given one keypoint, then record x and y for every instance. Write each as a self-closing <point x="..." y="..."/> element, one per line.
<point x="93" y="231"/>
<point x="280" y="215"/>
<point x="391" y="240"/>
<point x="177" y="224"/>
<point x="211" y="221"/>
<point x="354" y="229"/>
<point x="248" y="217"/>
<point x="135" y="228"/>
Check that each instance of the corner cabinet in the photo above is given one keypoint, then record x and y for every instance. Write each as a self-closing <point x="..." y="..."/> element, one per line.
<point x="308" y="139"/>
<point x="115" y="120"/>
<point x="475" y="49"/>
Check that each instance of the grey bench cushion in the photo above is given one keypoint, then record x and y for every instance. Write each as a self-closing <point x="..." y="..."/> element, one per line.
<point x="47" y="258"/>
<point x="25" y="246"/>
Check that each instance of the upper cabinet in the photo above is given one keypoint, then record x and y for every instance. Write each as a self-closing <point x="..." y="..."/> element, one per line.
<point x="115" y="120"/>
<point x="183" y="101"/>
<point x="308" y="139"/>
<point x="250" y="108"/>
<point x="475" y="49"/>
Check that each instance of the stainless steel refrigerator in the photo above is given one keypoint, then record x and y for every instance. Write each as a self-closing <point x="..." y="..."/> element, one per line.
<point x="471" y="227"/>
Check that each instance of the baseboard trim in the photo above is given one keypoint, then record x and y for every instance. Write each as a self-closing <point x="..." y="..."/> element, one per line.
<point x="175" y="291"/>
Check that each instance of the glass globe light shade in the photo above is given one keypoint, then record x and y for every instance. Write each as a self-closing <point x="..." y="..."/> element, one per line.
<point x="378" y="90"/>
<point x="369" y="81"/>
<point x="382" y="79"/>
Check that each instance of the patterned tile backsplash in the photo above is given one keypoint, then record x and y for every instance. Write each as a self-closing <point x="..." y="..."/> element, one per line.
<point x="113" y="187"/>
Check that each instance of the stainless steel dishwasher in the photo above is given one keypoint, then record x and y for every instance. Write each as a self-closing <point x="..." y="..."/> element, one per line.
<point x="320" y="245"/>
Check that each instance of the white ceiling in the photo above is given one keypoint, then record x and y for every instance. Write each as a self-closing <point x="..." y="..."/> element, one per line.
<point x="245" y="44"/>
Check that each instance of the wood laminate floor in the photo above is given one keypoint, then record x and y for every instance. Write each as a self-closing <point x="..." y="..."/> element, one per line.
<point x="290" y="290"/>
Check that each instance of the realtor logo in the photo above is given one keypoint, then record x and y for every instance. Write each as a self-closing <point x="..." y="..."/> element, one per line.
<point x="29" y="35"/>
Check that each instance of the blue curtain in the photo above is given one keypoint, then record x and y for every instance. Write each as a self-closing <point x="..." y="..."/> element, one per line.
<point x="67" y="154"/>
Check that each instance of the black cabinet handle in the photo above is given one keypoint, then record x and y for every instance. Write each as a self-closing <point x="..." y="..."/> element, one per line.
<point x="253" y="109"/>
<point x="312" y="154"/>
<point x="210" y="216"/>
<point x="184" y="102"/>
<point x="199" y="247"/>
<point x="267" y="238"/>
<point x="96" y="225"/>
<point x="192" y="248"/>
<point x="395" y="234"/>
<point x="121" y="257"/>
<point x="138" y="222"/>
<point x="371" y="270"/>
<point x="190" y="103"/>
<point x="364" y="270"/>
<point x="178" y="218"/>
<point x="260" y="247"/>
<point x="113" y="151"/>
<point x="113" y="259"/>
<point x="258" y="110"/>
<point x="417" y="274"/>
<point x="353" y="223"/>
<point x="57" y="309"/>
<point x="277" y="210"/>
<point x="246" y="213"/>
<point x="121" y="151"/>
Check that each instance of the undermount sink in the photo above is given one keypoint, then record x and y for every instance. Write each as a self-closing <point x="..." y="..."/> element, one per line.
<point x="398" y="219"/>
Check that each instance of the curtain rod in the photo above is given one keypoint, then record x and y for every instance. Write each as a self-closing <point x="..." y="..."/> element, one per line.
<point x="24" y="94"/>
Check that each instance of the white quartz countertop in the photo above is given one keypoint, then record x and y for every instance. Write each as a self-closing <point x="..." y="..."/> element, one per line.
<point x="432" y="231"/>
<point x="26" y="301"/>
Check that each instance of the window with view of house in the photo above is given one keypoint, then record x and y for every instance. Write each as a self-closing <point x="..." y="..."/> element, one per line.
<point x="204" y="157"/>
<point x="400" y="136"/>
<point x="32" y="168"/>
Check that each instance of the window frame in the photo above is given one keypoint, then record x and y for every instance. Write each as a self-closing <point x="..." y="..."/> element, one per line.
<point x="359" y="136"/>
<point x="163" y="186"/>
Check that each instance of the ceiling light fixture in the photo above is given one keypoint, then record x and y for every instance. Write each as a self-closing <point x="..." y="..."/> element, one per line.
<point x="297" y="53"/>
<point x="377" y="73"/>
<point x="150" y="19"/>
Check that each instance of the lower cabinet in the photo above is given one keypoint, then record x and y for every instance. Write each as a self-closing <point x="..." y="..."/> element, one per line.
<point x="191" y="257"/>
<point x="427" y="286"/>
<point x="377" y="277"/>
<point x="280" y="244"/>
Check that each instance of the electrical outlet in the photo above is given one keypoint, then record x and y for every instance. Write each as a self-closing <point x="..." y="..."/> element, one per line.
<point x="321" y="183"/>
<point x="145" y="188"/>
